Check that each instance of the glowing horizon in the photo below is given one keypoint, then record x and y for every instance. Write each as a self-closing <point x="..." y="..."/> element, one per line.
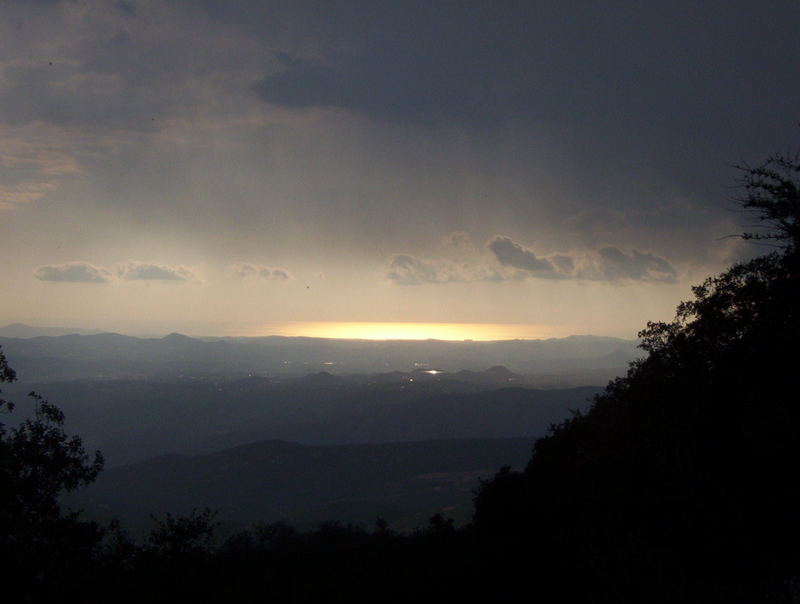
<point x="400" y="330"/>
<point x="290" y="180"/>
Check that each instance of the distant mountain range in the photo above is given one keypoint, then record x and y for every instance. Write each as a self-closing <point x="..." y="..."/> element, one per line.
<point x="403" y="483"/>
<point x="56" y="356"/>
<point x="397" y="429"/>
<point x="130" y="420"/>
<point x="20" y="330"/>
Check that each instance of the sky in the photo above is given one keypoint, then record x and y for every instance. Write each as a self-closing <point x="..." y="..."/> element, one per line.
<point x="233" y="167"/>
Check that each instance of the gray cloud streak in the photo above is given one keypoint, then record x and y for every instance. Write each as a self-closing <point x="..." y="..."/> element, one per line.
<point x="73" y="272"/>
<point x="516" y="262"/>
<point x="270" y="273"/>
<point x="608" y="264"/>
<point x="408" y="270"/>
<point x="639" y="266"/>
<point x="143" y="271"/>
<point x="512" y="254"/>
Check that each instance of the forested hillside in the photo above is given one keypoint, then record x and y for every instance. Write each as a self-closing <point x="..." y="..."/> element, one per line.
<point x="403" y="483"/>
<point x="677" y="484"/>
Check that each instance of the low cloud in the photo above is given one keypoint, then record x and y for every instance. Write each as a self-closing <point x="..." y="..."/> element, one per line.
<point x="607" y="264"/>
<point x="458" y="240"/>
<point x="272" y="273"/>
<point x="638" y="266"/>
<point x="513" y="262"/>
<point x="564" y="265"/>
<point x="73" y="272"/>
<point x="408" y="270"/>
<point x="143" y="271"/>
<point x="509" y="253"/>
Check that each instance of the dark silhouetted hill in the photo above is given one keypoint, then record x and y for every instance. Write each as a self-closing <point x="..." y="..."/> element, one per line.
<point x="130" y="420"/>
<point x="678" y="483"/>
<point x="20" y="330"/>
<point x="404" y="483"/>
<point x="114" y="356"/>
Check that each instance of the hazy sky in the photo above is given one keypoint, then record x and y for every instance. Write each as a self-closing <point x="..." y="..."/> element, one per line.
<point x="192" y="165"/>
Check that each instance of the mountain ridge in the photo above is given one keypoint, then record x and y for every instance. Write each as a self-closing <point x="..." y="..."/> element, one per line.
<point x="110" y="355"/>
<point x="403" y="482"/>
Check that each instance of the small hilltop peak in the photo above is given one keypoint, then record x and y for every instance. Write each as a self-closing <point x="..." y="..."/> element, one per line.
<point x="176" y="337"/>
<point x="500" y="372"/>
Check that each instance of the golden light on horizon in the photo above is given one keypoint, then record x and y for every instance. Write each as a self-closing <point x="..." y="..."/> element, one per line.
<point x="410" y="331"/>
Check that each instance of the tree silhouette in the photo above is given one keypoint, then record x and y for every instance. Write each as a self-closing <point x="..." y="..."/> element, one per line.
<point x="183" y="536"/>
<point x="772" y="196"/>
<point x="678" y="483"/>
<point x="39" y="542"/>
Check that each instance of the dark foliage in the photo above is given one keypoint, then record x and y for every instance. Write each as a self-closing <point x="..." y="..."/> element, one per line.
<point x="40" y="544"/>
<point x="772" y="196"/>
<point x="678" y="483"/>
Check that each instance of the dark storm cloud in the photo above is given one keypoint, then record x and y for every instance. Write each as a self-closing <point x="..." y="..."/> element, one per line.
<point x="73" y="272"/>
<point x="143" y="271"/>
<point x="586" y="62"/>
<point x="517" y="262"/>
<point x="583" y="122"/>
<point x="426" y="62"/>
<point x="608" y="264"/>
<point x="622" y="71"/>
<point x="80" y="94"/>
<point x="376" y="89"/>
<point x="112" y="66"/>
<point x="270" y="273"/>
<point x="640" y="266"/>
<point x="52" y="94"/>
<point x="458" y="240"/>
<point x="408" y="270"/>
<point x="627" y="107"/>
<point x="514" y="255"/>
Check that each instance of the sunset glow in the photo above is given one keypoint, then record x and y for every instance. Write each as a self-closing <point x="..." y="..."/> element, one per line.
<point x="293" y="176"/>
<point x="413" y="331"/>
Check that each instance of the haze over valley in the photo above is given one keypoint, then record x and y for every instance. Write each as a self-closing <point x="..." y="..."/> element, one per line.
<point x="138" y="399"/>
<point x="152" y="402"/>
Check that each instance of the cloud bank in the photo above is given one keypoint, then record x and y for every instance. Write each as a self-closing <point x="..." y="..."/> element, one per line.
<point x="639" y="266"/>
<point x="270" y="273"/>
<point x="607" y="264"/>
<point x="72" y="272"/>
<point x="143" y="271"/>
<point x="514" y="255"/>
<point x="408" y="270"/>
<point x="513" y="261"/>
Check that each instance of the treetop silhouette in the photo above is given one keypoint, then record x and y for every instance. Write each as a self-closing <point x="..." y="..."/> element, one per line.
<point x="679" y="479"/>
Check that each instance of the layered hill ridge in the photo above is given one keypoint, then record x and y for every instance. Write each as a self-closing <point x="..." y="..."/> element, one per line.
<point x="404" y="483"/>
<point x="60" y="356"/>
<point x="130" y="420"/>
